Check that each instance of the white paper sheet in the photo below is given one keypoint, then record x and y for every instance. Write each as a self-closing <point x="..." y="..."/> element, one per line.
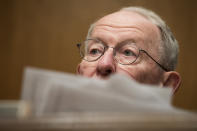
<point x="53" y="92"/>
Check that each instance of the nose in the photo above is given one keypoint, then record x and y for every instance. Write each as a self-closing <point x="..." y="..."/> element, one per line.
<point x="106" y="64"/>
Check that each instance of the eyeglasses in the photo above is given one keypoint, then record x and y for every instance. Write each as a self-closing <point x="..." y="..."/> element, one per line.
<point x="125" y="54"/>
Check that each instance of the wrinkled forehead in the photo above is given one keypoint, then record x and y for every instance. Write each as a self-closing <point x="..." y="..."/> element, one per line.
<point x="126" y="19"/>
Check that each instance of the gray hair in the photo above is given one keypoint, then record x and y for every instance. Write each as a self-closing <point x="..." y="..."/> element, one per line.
<point x="169" y="48"/>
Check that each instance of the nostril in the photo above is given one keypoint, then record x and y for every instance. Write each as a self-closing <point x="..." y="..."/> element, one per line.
<point x="104" y="71"/>
<point x="108" y="71"/>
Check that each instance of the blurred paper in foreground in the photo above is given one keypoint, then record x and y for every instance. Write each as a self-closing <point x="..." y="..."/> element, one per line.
<point x="54" y="92"/>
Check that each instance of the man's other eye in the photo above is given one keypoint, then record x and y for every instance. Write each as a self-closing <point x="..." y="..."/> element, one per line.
<point x="129" y="53"/>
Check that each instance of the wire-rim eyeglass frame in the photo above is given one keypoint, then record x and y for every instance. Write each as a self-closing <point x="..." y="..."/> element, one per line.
<point x="114" y="53"/>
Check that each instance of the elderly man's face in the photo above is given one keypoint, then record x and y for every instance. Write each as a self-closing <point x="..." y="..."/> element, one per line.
<point x="118" y="28"/>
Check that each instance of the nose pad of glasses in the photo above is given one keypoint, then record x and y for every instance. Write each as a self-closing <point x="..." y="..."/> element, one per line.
<point x="114" y="52"/>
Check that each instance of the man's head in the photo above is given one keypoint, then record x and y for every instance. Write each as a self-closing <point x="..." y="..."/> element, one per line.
<point x="135" y="42"/>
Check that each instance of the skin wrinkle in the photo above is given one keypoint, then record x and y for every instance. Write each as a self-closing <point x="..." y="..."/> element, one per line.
<point x="115" y="26"/>
<point x="135" y="38"/>
<point x="123" y="28"/>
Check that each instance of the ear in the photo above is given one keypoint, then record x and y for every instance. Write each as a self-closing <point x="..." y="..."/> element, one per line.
<point x="78" y="71"/>
<point x="172" y="79"/>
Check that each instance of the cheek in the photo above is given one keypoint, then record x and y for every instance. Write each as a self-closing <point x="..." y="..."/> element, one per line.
<point x="88" y="68"/>
<point x="139" y="72"/>
<point x="129" y="70"/>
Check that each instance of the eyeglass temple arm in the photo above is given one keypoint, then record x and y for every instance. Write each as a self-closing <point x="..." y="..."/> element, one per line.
<point x="165" y="69"/>
<point x="79" y="46"/>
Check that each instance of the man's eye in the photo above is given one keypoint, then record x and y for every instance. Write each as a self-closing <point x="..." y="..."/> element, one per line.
<point x="94" y="52"/>
<point x="129" y="53"/>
